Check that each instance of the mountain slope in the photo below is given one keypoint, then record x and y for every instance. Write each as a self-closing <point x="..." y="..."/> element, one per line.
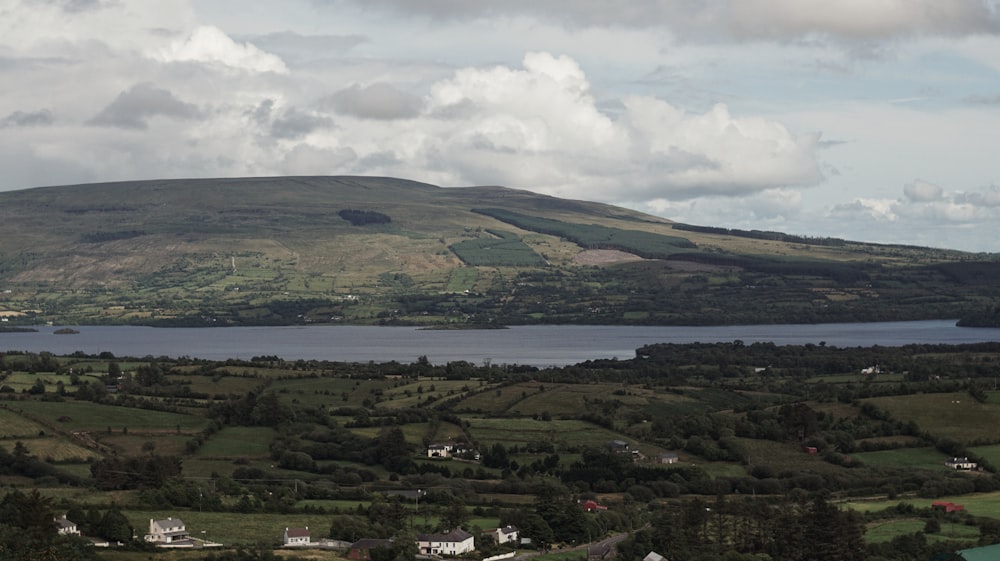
<point x="368" y="249"/>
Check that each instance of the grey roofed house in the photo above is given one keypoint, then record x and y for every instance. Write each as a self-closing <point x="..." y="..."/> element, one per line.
<point x="167" y="531"/>
<point x="653" y="556"/>
<point x="67" y="527"/>
<point x="455" y="542"/>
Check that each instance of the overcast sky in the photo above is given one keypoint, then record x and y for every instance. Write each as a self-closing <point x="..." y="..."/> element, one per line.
<point x="871" y="120"/>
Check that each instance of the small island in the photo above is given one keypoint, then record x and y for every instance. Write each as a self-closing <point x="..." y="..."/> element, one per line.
<point x="65" y="331"/>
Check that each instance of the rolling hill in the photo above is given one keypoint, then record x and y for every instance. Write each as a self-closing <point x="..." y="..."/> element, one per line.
<point x="381" y="250"/>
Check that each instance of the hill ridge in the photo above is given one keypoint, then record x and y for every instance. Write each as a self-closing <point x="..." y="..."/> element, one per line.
<point x="280" y="250"/>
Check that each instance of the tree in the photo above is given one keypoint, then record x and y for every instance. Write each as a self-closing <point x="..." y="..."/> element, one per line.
<point x="28" y="531"/>
<point x="454" y="514"/>
<point x="37" y="388"/>
<point x="115" y="526"/>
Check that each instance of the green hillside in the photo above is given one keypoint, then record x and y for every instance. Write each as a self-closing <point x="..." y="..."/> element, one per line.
<point x="381" y="250"/>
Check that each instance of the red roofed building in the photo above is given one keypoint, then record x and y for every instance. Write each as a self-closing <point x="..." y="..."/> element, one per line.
<point x="947" y="507"/>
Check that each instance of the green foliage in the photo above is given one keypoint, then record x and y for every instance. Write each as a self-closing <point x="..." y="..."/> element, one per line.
<point x="141" y="472"/>
<point x="504" y="250"/>
<point x="364" y="217"/>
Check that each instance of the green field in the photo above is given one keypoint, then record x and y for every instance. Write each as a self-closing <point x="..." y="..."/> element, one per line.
<point x="980" y="504"/>
<point x="239" y="442"/>
<point x="918" y="458"/>
<point x="884" y="531"/>
<point x="53" y="449"/>
<point x="87" y="416"/>
<point x="953" y="415"/>
<point x="521" y="431"/>
<point x="14" y="425"/>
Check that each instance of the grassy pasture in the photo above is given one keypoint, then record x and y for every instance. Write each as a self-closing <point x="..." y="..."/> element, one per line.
<point x="86" y="416"/>
<point x="885" y="530"/>
<point x="316" y="392"/>
<point x="954" y="415"/>
<point x="132" y="444"/>
<point x="570" y="399"/>
<point x="784" y="456"/>
<point x="915" y="458"/>
<point x="447" y="431"/>
<point x="462" y="279"/>
<point x="13" y="425"/>
<point x="562" y="433"/>
<point x="240" y="442"/>
<point x="419" y="391"/>
<point x="52" y="448"/>
<point x="225" y="385"/>
<point x="990" y="453"/>
<point x="497" y="400"/>
<point x="414" y="432"/>
<point x="980" y="504"/>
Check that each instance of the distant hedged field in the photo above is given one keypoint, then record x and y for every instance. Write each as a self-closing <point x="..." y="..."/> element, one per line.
<point x="703" y="451"/>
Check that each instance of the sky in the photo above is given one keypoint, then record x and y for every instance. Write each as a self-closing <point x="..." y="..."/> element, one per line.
<point x="868" y="120"/>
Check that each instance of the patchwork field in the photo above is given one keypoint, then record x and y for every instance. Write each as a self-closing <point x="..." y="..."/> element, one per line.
<point x="952" y="415"/>
<point x="87" y="416"/>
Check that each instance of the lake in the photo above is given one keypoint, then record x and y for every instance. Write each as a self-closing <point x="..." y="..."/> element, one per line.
<point x="537" y="345"/>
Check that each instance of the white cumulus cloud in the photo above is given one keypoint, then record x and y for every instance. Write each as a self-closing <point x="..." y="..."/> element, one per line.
<point x="209" y="44"/>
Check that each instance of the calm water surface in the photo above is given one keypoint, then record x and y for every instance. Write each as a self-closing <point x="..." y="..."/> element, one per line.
<point x="549" y="345"/>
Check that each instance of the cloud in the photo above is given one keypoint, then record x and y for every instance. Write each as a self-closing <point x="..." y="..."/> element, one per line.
<point x="926" y="215"/>
<point x="133" y="108"/>
<point x="301" y="48"/>
<point x="376" y="101"/>
<point x="922" y="191"/>
<point x="860" y="19"/>
<point x="210" y="45"/>
<point x="540" y="126"/>
<point x="987" y="199"/>
<point x="728" y="19"/>
<point x="75" y="6"/>
<point x="27" y="119"/>
<point x="290" y="123"/>
<point x="871" y="209"/>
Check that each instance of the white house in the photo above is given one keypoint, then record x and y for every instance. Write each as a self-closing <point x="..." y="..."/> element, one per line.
<point x="167" y="532"/>
<point x="440" y="450"/>
<point x="296" y="536"/>
<point x="960" y="463"/>
<point x="455" y="542"/>
<point x="503" y="535"/>
<point x="67" y="527"/>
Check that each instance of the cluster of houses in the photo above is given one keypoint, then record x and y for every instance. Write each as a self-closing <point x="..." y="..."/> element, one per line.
<point x="173" y="533"/>
<point x="441" y="450"/>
